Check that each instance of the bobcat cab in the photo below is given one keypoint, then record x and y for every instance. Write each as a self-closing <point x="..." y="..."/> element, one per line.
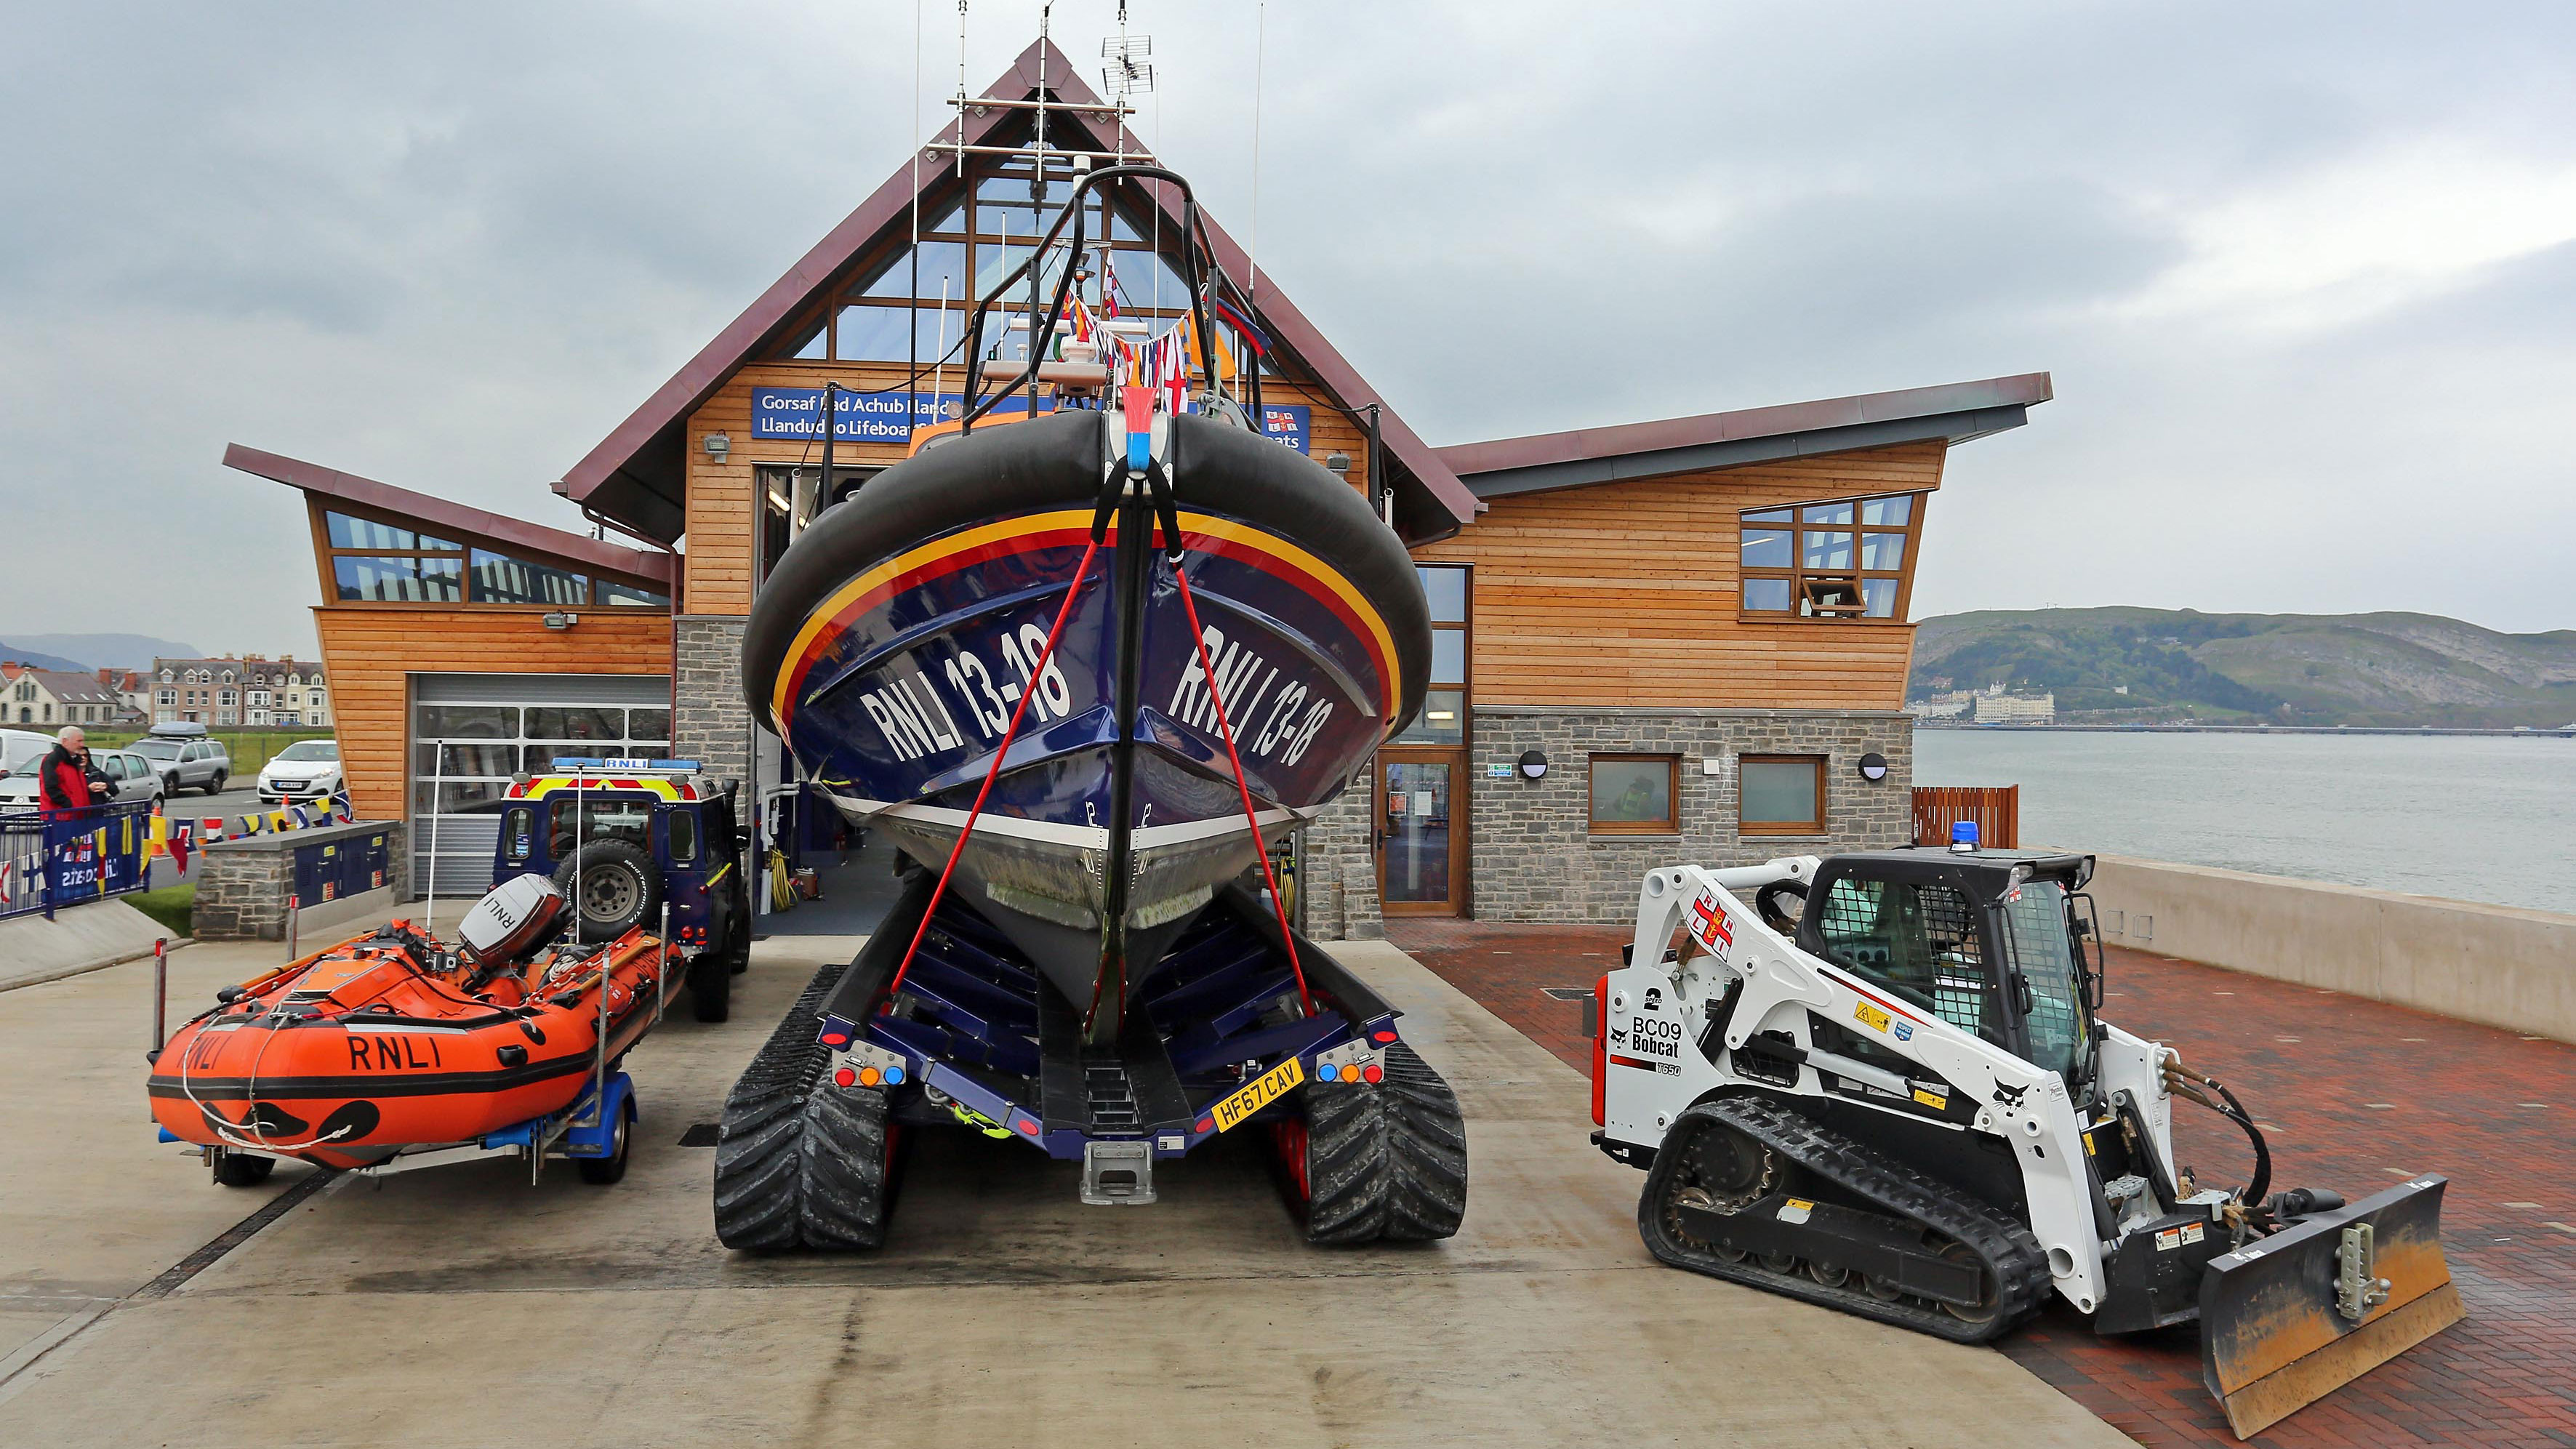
<point x="623" y="839"/>
<point x="1881" y="1085"/>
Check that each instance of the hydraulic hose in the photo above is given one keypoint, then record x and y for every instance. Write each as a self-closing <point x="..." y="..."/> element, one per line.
<point x="2183" y="1083"/>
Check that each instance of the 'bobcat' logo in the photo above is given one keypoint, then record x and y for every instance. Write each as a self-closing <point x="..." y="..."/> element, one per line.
<point x="2009" y="1097"/>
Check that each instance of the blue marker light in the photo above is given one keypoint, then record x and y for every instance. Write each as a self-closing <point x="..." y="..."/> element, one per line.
<point x="894" y="1076"/>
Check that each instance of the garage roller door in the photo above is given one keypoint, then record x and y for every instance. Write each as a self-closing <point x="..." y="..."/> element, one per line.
<point x="470" y="733"/>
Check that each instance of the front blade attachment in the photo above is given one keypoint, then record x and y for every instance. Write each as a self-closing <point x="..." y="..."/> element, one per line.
<point x="2288" y="1319"/>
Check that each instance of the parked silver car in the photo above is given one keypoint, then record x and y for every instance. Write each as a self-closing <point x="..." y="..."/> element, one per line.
<point x="186" y="763"/>
<point x="130" y="777"/>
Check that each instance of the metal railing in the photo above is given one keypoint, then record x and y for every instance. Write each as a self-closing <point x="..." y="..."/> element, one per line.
<point x="50" y="860"/>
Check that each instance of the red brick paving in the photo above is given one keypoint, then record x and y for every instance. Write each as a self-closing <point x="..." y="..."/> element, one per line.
<point x="2488" y="1109"/>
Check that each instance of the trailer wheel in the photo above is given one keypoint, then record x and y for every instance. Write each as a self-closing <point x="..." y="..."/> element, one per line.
<point x="1385" y="1162"/>
<point x="603" y="1171"/>
<point x="242" y="1169"/>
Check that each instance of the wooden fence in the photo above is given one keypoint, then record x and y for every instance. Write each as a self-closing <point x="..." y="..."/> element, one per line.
<point x="1995" y="808"/>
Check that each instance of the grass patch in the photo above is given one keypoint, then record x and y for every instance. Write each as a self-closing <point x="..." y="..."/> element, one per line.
<point x="175" y="907"/>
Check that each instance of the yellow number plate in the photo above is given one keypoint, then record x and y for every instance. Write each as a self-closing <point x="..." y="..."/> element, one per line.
<point x="1258" y="1093"/>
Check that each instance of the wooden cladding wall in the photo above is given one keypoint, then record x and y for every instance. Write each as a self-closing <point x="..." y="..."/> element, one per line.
<point x="720" y="508"/>
<point x="1624" y="594"/>
<point x="371" y="653"/>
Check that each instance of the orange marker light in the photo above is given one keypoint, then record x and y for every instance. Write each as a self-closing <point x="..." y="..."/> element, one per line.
<point x="868" y="1076"/>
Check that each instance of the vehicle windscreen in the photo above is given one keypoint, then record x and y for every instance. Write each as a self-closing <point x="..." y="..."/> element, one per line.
<point x="157" y="749"/>
<point x="2060" y="1029"/>
<point x="311" y="750"/>
<point x="597" y="815"/>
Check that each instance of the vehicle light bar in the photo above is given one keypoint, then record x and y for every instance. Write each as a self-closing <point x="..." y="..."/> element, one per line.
<point x="631" y="767"/>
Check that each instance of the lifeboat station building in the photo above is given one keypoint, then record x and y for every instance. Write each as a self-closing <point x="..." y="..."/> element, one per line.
<point x="1665" y="640"/>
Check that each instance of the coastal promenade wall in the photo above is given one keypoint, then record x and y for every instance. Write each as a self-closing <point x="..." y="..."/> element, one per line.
<point x="2496" y="965"/>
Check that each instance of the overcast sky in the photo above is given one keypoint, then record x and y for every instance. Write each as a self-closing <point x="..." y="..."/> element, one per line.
<point x="2305" y="275"/>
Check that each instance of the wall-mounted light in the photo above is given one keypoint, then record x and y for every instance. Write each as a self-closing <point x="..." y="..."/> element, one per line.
<point x="557" y="619"/>
<point x="1873" y="767"/>
<point x="718" y="447"/>
<point x="1338" y="462"/>
<point x="1533" y="764"/>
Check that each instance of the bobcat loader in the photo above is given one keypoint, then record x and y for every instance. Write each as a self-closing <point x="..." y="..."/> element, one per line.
<point x="1882" y="1086"/>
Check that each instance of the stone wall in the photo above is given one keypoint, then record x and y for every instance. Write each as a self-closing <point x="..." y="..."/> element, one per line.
<point x="242" y="885"/>
<point x="713" y="726"/>
<point x="1337" y="874"/>
<point x="1536" y="859"/>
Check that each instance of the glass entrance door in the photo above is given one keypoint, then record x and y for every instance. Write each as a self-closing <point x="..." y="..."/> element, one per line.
<point x="1422" y="831"/>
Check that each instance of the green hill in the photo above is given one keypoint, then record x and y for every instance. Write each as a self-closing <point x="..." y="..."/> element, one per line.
<point x="2319" y="669"/>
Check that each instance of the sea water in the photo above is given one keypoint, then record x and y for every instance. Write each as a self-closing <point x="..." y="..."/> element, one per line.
<point x="2478" y="818"/>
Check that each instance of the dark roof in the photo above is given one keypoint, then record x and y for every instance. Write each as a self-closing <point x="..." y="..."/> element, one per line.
<point x="1954" y="412"/>
<point x="637" y="473"/>
<point x="588" y="555"/>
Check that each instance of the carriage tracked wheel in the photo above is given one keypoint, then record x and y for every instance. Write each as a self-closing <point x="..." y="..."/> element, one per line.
<point x="1385" y="1162"/>
<point x="772" y="1126"/>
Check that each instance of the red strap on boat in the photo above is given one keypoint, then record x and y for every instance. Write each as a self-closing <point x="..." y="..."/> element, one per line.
<point x="1251" y="821"/>
<point x="1037" y="676"/>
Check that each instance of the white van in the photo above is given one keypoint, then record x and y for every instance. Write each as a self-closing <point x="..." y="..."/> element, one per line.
<point x="17" y="747"/>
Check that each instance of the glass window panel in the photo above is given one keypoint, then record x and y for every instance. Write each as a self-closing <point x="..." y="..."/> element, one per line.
<point x="1768" y="515"/>
<point x="1766" y="548"/>
<point x="1879" y="595"/>
<point x="481" y="797"/>
<point x="950" y="218"/>
<point x="876" y="334"/>
<point x="466" y="722"/>
<point x="648" y="724"/>
<point x="993" y="262"/>
<point x="1779" y="792"/>
<point x="1888" y="512"/>
<point x="518" y="830"/>
<point x="601" y="816"/>
<point x="1416" y="825"/>
<point x="366" y="579"/>
<point x="347" y="532"/>
<point x="471" y="759"/>
<point x="1825" y="550"/>
<point x="940" y="261"/>
<point x="1632" y="792"/>
<point x="1882" y="551"/>
<point x="628" y="596"/>
<point x="1768" y="596"/>
<point x="1449" y="656"/>
<point x="681" y="827"/>
<point x="813" y="347"/>
<point x="500" y="579"/>
<point x="1827" y="513"/>
<point x="1446" y="588"/>
<point x="1146" y="282"/>
<point x="1443" y="720"/>
<point x="581" y="722"/>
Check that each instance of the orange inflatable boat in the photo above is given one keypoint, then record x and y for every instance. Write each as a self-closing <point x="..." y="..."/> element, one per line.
<point x="391" y="1041"/>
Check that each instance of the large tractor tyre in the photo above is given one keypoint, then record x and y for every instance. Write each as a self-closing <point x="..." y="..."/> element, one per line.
<point x="613" y="888"/>
<point x="760" y="1143"/>
<point x="711" y="986"/>
<point x="1385" y="1162"/>
<point x="847" y="1162"/>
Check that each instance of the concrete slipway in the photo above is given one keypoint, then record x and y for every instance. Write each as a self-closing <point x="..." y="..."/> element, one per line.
<point x="462" y="1307"/>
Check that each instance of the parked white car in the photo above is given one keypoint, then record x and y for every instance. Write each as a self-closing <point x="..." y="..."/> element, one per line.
<point x="304" y="770"/>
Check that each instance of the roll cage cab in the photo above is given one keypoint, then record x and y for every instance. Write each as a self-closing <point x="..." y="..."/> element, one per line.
<point x="1992" y="942"/>
<point x="624" y="838"/>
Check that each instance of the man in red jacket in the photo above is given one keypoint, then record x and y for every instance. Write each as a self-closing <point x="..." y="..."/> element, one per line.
<point x="67" y="783"/>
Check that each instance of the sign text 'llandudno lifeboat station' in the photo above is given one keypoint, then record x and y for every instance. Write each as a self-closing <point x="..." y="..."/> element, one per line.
<point x="1666" y="640"/>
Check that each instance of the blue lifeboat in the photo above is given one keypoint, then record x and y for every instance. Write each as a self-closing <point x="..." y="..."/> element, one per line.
<point x="893" y="643"/>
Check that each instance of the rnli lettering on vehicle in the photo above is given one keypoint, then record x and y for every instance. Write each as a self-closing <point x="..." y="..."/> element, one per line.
<point x="1265" y="723"/>
<point x="1258" y="1093"/>
<point x="388" y="1052"/>
<point x="918" y="719"/>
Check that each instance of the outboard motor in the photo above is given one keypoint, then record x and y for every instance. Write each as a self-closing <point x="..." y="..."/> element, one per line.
<point x="513" y="922"/>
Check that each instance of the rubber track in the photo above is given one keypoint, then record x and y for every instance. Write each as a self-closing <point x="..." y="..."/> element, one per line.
<point x="2007" y="1249"/>
<point x="760" y="1144"/>
<point x="1385" y="1162"/>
